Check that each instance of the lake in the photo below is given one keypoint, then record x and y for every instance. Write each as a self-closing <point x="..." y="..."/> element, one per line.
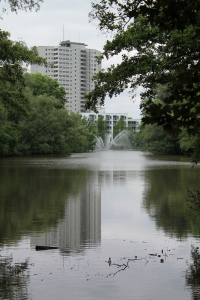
<point x="119" y="221"/>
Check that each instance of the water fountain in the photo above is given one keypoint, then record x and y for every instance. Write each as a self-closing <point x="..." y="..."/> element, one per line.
<point x="119" y="140"/>
<point x="99" y="143"/>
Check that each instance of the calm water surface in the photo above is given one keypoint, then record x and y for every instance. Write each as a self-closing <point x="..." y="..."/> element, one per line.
<point x="126" y="205"/>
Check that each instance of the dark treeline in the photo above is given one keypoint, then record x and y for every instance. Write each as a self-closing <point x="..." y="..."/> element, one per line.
<point x="161" y="141"/>
<point x="158" y="140"/>
<point x="44" y="126"/>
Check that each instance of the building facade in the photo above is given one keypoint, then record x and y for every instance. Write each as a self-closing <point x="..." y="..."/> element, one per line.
<point x="73" y="66"/>
<point x="112" y="119"/>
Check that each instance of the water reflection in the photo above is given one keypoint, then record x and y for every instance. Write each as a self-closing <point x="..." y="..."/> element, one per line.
<point x="129" y="202"/>
<point x="34" y="199"/>
<point x="14" y="280"/>
<point x="81" y="224"/>
<point x="165" y="200"/>
<point x="192" y="274"/>
<point x="110" y="178"/>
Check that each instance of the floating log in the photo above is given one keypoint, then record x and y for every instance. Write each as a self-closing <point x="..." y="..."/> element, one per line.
<point x="45" y="247"/>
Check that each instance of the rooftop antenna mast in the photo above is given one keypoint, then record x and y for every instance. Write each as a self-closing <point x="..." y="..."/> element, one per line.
<point x="63" y="32"/>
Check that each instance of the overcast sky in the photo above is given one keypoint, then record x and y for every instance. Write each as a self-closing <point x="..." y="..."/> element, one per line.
<point x="45" y="28"/>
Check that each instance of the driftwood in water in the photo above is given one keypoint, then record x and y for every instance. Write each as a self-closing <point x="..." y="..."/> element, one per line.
<point x="44" y="248"/>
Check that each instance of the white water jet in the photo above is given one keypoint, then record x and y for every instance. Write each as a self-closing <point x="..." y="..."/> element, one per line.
<point x="109" y="141"/>
<point x="99" y="143"/>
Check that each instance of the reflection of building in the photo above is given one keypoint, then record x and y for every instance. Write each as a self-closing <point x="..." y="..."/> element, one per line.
<point x="112" y="178"/>
<point x="81" y="225"/>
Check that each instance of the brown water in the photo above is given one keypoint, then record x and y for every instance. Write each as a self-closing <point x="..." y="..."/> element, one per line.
<point x="126" y="205"/>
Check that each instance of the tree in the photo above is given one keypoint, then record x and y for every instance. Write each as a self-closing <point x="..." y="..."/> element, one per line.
<point x="9" y="132"/>
<point x="101" y="127"/>
<point x="12" y="84"/>
<point x="166" y="14"/>
<point x="190" y="144"/>
<point x="119" y="127"/>
<point x="13" y="102"/>
<point x="92" y="132"/>
<point x="157" y="48"/>
<point x="40" y="131"/>
<point x="51" y="130"/>
<point x="16" y="5"/>
<point x="40" y="85"/>
<point x="44" y="126"/>
<point x="159" y="140"/>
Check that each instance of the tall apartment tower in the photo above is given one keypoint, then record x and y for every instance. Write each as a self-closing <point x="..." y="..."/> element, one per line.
<point x="73" y="67"/>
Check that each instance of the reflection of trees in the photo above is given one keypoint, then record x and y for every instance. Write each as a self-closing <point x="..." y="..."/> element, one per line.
<point x="192" y="275"/>
<point x="13" y="280"/>
<point x="165" y="200"/>
<point x="81" y="224"/>
<point x="33" y="199"/>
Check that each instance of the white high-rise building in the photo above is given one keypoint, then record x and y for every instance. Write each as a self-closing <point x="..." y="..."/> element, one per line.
<point x="73" y="66"/>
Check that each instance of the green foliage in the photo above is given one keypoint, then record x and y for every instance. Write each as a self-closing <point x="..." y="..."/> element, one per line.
<point x="157" y="48"/>
<point x="149" y="133"/>
<point x="114" y="15"/>
<point x="40" y="129"/>
<point x="12" y="56"/>
<point x="40" y="85"/>
<point x="196" y="152"/>
<point x="131" y="137"/>
<point x="13" y="102"/>
<point x="46" y="127"/>
<point x="16" y="5"/>
<point x="119" y="127"/>
<point x="51" y="130"/>
<point x="190" y="145"/>
<point x="159" y="140"/>
<point x="9" y="133"/>
<point x="92" y="133"/>
<point x="101" y="127"/>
